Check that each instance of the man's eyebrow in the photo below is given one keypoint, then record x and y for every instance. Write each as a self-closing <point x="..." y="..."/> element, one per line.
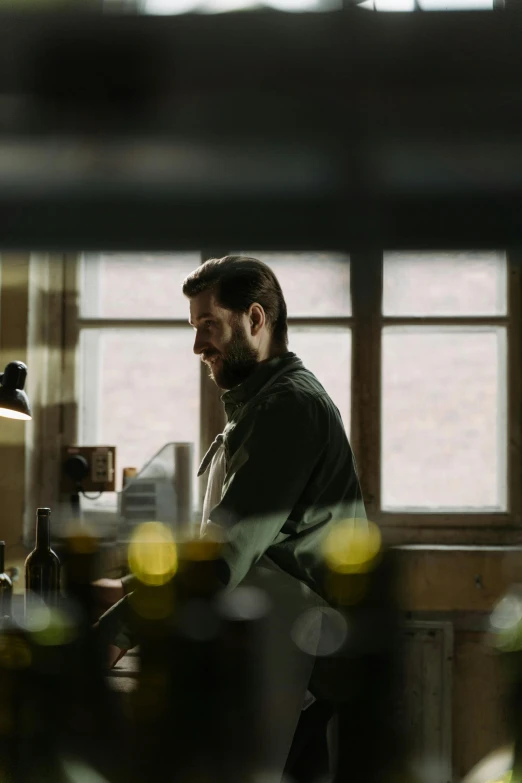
<point x="200" y="317"/>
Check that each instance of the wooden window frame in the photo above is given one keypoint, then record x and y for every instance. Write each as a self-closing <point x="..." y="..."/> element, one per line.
<point x="416" y="527"/>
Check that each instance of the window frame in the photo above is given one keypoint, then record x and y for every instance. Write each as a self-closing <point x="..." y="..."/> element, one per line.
<point x="416" y="527"/>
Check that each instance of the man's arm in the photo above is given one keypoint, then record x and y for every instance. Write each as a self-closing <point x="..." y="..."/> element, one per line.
<point x="107" y="592"/>
<point x="267" y="476"/>
<point x="113" y="625"/>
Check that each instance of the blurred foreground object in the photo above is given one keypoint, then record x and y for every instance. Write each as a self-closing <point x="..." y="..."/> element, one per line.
<point x="221" y="683"/>
<point x="495" y="768"/>
<point x="405" y="129"/>
<point x="361" y="677"/>
<point x="42" y="566"/>
<point x="224" y="674"/>
<point x="58" y="721"/>
<point x="197" y="707"/>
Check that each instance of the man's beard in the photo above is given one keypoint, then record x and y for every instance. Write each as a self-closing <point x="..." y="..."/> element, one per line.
<point x="235" y="363"/>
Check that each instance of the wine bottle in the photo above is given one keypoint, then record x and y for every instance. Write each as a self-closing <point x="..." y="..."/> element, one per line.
<point x="42" y="566"/>
<point x="6" y="587"/>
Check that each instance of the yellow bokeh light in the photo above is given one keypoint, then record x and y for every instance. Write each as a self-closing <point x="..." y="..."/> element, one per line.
<point x="47" y="625"/>
<point x="200" y="550"/>
<point x="59" y="630"/>
<point x="352" y="547"/>
<point x="153" y="557"/>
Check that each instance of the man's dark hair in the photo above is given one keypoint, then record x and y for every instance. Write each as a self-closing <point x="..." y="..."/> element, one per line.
<point x="238" y="282"/>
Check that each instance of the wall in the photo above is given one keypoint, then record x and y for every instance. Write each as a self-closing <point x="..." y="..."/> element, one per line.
<point x="13" y="346"/>
<point x="460" y="585"/>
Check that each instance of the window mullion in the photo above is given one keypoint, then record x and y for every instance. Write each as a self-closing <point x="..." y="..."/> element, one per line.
<point x="514" y="385"/>
<point x="366" y="288"/>
<point x="70" y="347"/>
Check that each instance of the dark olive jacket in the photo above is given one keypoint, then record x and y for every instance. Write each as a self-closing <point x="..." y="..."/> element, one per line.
<point x="290" y="472"/>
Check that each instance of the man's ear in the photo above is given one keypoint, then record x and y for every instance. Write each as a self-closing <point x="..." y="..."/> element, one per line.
<point x="257" y="318"/>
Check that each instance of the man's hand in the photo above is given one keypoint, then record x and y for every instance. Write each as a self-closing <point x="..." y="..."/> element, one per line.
<point x="114" y="654"/>
<point x="107" y="592"/>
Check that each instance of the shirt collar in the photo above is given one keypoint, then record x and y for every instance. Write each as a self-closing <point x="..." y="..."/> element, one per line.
<point x="236" y="397"/>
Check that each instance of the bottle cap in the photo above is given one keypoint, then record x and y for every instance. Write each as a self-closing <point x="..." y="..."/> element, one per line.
<point x="43" y="512"/>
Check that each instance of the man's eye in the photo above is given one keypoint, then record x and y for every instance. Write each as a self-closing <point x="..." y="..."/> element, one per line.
<point x="209" y="323"/>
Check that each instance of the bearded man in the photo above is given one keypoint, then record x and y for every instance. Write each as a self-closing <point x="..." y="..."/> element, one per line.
<point x="282" y="472"/>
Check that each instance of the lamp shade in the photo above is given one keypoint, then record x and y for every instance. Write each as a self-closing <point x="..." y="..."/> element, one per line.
<point x="14" y="403"/>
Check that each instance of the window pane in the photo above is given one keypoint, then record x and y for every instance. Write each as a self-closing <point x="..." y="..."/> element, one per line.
<point x="327" y="352"/>
<point x="427" y="5"/>
<point x="140" y="391"/>
<point x="130" y="285"/>
<point x="314" y="284"/>
<point x="444" y="418"/>
<point x="425" y="284"/>
<point x="167" y="7"/>
<point x="394" y="5"/>
<point x="456" y="5"/>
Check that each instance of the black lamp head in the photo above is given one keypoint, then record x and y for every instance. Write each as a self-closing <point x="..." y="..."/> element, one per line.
<point x="13" y="400"/>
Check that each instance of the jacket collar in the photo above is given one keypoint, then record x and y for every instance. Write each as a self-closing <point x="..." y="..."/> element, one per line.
<point x="239" y="395"/>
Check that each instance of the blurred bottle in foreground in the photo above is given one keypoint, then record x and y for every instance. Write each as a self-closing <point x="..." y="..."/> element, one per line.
<point x="177" y="719"/>
<point x="42" y="566"/>
<point x="91" y="721"/>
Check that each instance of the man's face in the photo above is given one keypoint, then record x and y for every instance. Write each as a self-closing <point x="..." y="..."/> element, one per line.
<point x="222" y="340"/>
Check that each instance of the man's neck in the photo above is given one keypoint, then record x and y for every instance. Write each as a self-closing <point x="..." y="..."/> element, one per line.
<point x="272" y="352"/>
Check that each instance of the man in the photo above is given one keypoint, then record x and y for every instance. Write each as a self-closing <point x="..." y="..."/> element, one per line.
<point x="282" y="474"/>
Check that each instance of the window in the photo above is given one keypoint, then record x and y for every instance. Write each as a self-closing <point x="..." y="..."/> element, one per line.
<point x="139" y="380"/>
<point x="443" y="418"/>
<point x="433" y="396"/>
<point x="444" y="382"/>
<point x="168" y="7"/>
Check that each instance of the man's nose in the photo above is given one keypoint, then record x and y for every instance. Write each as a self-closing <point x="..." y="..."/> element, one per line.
<point x="199" y="344"/>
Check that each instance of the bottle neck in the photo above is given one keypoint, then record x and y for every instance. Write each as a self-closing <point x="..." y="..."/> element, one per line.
<point x="2" y="558"/>
<point x="43" y="533"/>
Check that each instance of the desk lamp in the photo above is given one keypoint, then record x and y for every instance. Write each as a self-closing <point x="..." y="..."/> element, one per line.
<point x="14" y="403"/>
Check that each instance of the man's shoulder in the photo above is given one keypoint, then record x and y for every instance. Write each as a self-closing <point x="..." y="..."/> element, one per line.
<point x="297" y="392"/>
<point x="300" y="381"/>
